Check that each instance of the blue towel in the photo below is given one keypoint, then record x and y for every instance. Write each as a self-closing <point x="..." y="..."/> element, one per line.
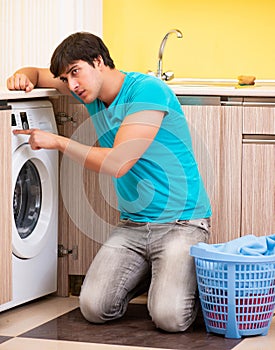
<point x="246" y="245"/>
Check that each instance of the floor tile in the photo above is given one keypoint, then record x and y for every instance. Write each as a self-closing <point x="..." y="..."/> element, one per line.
<point x="54" y="323"/>
<point x="3" y="339"/>
<point x="142" y="299"/>
<point x="23" y="318"/>
<point x="134" y="329"/>
<point x="266" y="342"/>
<point x="35" y="344"/>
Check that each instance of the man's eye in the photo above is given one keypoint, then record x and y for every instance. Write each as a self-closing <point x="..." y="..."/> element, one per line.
<point x="64" y="80"/>
<point x="74" y="71"/>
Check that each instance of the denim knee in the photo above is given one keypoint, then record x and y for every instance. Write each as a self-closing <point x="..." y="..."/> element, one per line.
<point x="90" y="308"/>
<point x="98" y="308"/>
<point x="170" y="319"/>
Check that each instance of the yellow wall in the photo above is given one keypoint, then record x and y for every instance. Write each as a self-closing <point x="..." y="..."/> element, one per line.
<point x="221" y="38"/>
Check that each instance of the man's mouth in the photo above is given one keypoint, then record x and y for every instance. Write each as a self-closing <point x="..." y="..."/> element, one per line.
<point x="81" y="93"/>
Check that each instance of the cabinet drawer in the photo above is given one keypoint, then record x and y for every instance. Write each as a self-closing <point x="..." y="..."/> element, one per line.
<point x="259" y="120"/>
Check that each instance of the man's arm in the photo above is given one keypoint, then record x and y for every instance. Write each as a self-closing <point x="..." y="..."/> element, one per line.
<point x="28" y="78"/>
<point x="134" y="136"/>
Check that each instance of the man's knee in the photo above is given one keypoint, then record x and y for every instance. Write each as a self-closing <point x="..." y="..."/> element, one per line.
<point x="99" y="308"/>
<point x="90" y="308"/>
<point x="170" y="319"/>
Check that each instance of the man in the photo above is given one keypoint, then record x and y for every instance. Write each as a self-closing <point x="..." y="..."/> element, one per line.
<point x="146" y="147"/>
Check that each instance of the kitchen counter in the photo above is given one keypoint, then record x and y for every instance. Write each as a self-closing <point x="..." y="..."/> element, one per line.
<point x="188" y="87"/>
<point x="226" y="87"/>
<point x="6" y="94"/>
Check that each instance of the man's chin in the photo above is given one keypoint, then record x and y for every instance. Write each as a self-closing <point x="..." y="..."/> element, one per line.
<point x="86" y="99"/>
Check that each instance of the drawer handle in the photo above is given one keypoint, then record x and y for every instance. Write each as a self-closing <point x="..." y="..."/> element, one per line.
<point x="258" y="104"/>
<point x="269" y="142"/>
<point x="262" y="139"/>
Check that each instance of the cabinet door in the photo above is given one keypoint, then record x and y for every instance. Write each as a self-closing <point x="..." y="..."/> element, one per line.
<point x="258" y="189"/>
<point x="87" y="200"/>
<point x="217" y="140"/>
<point x="6" y="207"/>
<point x="258" y="180"/>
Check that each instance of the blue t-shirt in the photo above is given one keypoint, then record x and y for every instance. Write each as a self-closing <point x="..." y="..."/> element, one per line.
<point x="164" y="185"/>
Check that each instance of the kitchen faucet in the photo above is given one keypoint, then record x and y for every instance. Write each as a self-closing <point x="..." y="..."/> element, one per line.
<point x="160" y="74"/>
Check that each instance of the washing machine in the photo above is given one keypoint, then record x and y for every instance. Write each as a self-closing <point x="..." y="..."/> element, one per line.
<point x="35" y="206"/>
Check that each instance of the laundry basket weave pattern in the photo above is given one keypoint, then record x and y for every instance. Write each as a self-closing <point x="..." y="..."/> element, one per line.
<point x="237" y="293"/>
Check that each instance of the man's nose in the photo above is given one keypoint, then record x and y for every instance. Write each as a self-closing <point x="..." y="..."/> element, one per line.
<point x="73" y="85"/>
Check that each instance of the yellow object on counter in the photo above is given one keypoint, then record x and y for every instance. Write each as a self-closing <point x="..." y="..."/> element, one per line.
<point x="244" y="80"/>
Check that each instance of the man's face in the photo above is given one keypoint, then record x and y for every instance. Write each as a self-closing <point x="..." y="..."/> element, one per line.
<point x="83" y="79"/>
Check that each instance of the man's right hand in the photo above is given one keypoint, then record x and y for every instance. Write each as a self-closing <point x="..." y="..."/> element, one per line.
<point x="19" y="81"/>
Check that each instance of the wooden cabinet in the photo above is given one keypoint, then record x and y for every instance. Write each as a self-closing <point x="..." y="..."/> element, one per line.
<point x="235" y="150"/>
<point x="258" y="177"/>
<point x="258" y="189"/>
<point x="217" y="140"/>
<point x="87" y="200"/>
<point x="6" y="207"/>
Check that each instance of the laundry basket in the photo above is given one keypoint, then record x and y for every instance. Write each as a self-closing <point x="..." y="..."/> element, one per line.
<point x="237" y="292"/>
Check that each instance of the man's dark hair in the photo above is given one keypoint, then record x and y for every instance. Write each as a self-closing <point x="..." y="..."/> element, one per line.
<point x="79" y="46"/>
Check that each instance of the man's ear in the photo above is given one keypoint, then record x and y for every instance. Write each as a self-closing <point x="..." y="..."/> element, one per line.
<point x="98" y="62"/>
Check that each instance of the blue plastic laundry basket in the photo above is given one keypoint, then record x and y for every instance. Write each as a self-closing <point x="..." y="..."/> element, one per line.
<point x="237" y="292"/>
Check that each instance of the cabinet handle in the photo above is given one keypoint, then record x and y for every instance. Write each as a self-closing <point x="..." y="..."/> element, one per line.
<point x="269" y="142"/>
<point x="262" y="139"/>
<point x="258" y="104"/>
<point x="231" y="103"/>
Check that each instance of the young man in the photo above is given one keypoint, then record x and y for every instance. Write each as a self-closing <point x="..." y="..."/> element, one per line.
<point x="146" y="147"/>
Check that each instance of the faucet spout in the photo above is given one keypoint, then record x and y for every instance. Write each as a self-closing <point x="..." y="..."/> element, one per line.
<point x="161" y="49"/>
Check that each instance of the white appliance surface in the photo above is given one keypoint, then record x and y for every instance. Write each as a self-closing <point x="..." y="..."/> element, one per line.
<point x="35" y="206"/>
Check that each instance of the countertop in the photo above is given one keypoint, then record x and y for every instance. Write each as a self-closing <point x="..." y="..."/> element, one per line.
<point x="195" y="87"/>
<point x="5" y="94"/>
<point x="222" y="87"/>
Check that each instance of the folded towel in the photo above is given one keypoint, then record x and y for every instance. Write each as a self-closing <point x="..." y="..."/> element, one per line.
<point x="246" y="245"/>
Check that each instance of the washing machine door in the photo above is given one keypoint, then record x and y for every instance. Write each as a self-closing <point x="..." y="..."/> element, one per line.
<point x="34" y="184"/>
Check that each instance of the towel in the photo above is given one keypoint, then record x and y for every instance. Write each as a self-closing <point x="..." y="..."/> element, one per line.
<point x="246" y="245"/>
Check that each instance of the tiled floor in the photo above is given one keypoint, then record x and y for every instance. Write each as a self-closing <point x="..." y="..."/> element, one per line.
<point x="53" y="323"/>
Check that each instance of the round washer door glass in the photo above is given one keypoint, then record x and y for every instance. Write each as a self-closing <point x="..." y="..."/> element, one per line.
<point x="27" y="199"/>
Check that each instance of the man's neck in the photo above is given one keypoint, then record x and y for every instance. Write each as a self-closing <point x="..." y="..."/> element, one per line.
<point x="113" y="82"/>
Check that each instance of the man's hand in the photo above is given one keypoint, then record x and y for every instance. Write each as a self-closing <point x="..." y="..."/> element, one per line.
<point x="19" y="82"/>
<point x="40" y="139"/>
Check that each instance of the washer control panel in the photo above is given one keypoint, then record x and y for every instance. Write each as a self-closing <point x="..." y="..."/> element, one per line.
<point x="35" y="114"/>
<point x="20" y="120"/>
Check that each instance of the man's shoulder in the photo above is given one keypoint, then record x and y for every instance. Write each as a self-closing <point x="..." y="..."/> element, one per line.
<point x="146" y="82"/>
<point x="138" y="76"/>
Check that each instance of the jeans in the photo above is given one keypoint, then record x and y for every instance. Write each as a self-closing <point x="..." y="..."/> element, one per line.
<point x="141" y="257"/>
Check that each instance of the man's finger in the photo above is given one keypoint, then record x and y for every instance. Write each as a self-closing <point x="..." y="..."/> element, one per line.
<point x="22" y="132"/>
